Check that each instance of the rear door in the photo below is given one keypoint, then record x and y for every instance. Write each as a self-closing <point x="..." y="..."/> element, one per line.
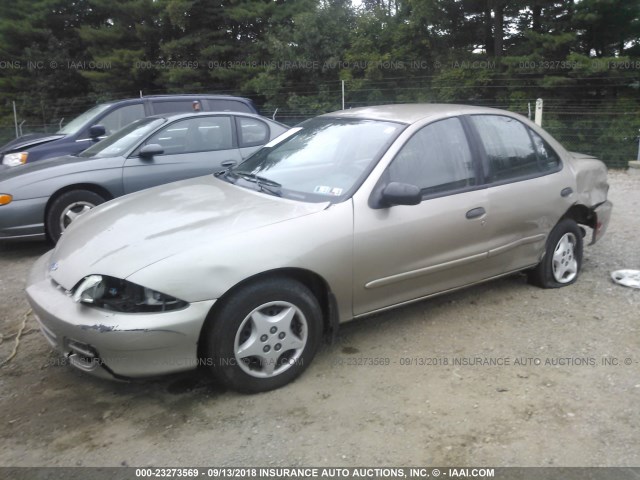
<point x="526" y="190"/>
<point x="192" y="147"/>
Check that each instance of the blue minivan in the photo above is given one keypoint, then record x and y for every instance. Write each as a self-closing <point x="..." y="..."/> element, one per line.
<point x="107" y="118"/>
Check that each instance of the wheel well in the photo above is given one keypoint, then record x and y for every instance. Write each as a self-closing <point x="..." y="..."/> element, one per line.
<point x="309" y="279"/>
<point x="103" y="192"/>
<point x="580" y="214"/>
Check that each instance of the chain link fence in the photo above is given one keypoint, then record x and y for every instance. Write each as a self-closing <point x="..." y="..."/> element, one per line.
<point x="608" y="132"/>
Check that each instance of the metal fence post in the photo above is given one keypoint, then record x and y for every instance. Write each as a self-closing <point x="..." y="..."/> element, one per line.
<point x="538" y="119"/>
<point x="15" y="118"/>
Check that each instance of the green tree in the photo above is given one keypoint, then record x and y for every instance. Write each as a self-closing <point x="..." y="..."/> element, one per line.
<point x="36" y="41"/>
<point x="121" y="39"/>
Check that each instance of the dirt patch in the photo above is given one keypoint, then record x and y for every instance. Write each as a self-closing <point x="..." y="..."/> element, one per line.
<point x="502" y="374"/>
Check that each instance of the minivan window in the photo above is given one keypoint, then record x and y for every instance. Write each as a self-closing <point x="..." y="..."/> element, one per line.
<point x="173" y="106"/>
<point x="228" y="106"/>
<point x="121" y="117"/>
<point x="77" y="123"/>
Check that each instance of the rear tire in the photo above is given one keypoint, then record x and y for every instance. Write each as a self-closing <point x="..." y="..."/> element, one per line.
<point x="66" y="208"/>
<point x="264" y="335"/>
<point x="562" y="260"/>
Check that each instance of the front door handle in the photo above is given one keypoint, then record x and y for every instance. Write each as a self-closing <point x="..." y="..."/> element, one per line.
<point x="566" y="192"/>
<point x="475" y="212"/>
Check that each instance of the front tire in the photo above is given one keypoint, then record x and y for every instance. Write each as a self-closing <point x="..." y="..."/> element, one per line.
<point x="264" y="335"/>
<point x="562" y="260"/>
<point x="66" y="208"/>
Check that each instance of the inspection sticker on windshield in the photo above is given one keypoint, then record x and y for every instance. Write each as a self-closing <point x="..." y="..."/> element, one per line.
<point x="335" y="191"/>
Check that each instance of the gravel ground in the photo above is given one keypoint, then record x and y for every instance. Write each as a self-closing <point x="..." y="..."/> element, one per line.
<point x="555" y="398"/>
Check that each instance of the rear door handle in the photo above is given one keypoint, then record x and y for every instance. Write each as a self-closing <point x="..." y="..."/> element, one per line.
<point x="475" y="213"/>
<point x="566" y="192"/>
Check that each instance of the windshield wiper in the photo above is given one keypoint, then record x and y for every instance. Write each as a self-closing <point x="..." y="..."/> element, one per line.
<point x="264" y="184"/>
<point x="252" y="177"/>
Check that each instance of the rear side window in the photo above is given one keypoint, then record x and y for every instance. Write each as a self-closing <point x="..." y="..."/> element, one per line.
<point x="199" y="134"/>
<point x="252" y="132"/>
<point x="513" y="150"/>
<point x="437" y="159"/>
<point x="549" y="160"/>
<point x="224" y="105"/>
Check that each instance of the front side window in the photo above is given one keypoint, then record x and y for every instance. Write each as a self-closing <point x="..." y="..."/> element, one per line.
<point x="437" y="159"/>
<point x="323" y="159"/>
<point x="508" y="146"/>
<point x="124" y="140"/>
<point x="199" y="134"/>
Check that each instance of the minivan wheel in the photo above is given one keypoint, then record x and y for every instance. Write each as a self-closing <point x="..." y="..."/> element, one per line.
<point x="264" y="335"/>
<point x="66" y="208"/>
<point x="562" y="260"/>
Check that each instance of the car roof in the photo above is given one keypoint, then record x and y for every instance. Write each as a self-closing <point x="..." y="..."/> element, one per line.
<point x="177" y="116"/>
<point x="411" y="113"/>
<point x="181" y="96"/>
<point x="198" y="95"/>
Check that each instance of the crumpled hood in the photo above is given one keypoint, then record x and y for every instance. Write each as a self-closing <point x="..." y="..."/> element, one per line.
<point x="129" y="233"/>
<point x="27" y="141"/>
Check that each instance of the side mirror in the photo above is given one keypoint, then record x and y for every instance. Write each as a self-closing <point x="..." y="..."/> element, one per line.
<point x="151" y="150"/>
<point x="97" y="131"/>
<point x="396" y="193"/>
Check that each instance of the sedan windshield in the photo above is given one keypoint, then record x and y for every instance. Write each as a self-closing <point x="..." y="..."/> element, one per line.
<point x="123" y="140"/>
<point x="324" y="160"/>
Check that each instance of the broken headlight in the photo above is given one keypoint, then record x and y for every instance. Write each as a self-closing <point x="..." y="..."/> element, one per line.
<point x="118" y="295"/>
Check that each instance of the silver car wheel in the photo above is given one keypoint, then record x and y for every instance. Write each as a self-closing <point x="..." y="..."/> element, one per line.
<point x="72" y="212"/>
<point x="564" y="263"/>
<point x="271" y="339"/>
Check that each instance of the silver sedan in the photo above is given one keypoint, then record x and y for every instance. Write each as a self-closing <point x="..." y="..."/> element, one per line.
<point x="346" y="215"/>
<point x="44" y="197"/>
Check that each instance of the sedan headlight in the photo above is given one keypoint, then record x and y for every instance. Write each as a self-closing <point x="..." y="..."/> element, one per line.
<point x="111" y="293"/>
<point x="15" y="159"/>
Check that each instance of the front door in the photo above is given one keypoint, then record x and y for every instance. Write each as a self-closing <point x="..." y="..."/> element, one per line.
<point x="403" y="253"/>
<point x="192" y="147"/>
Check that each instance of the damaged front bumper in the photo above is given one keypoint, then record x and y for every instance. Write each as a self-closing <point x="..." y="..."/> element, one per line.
<point x="113" y="344"/>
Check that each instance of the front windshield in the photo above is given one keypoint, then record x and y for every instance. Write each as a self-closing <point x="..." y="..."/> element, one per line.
<point x="77" y="123"/>
<point x="123" y="140"/>
<point x="323" y="161"/>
